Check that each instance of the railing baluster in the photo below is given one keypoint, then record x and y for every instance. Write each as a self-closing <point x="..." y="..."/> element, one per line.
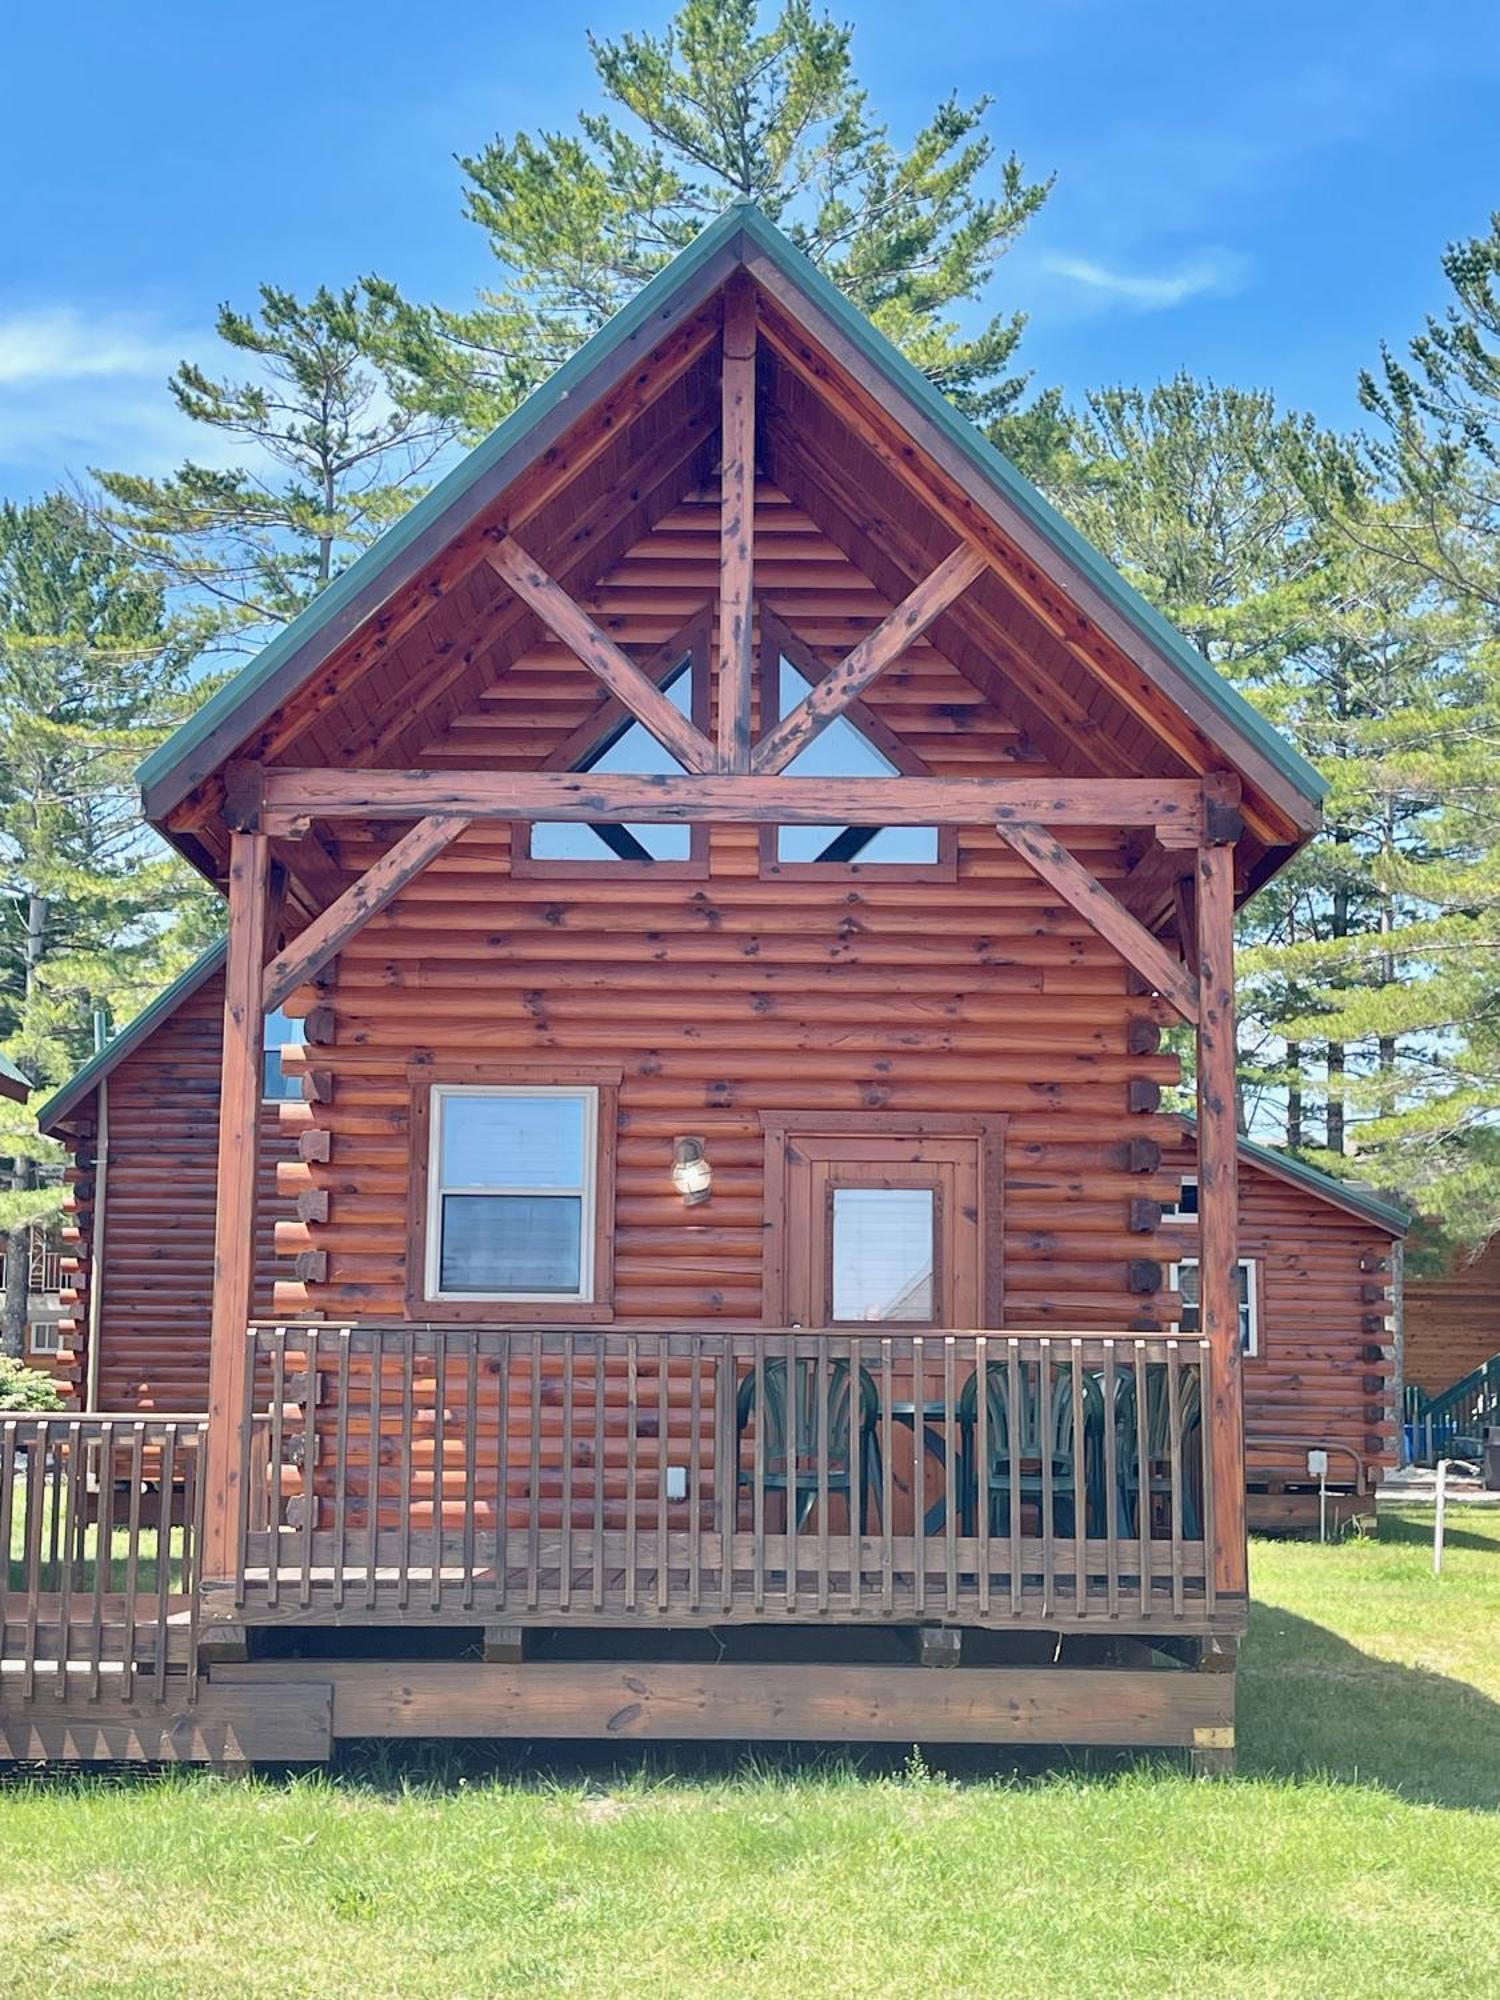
<point x="601" y="1372"/>
<point x="857" y="1468"/>
<point x="534" y="1482"/>
<point x="726" y="1465"/>
<point x="1174" y="1445"/>
<point x="133" y="1551"/>
<point x="1015" y="1389"/>
<point x="918" y="1475"/>
<point x="1080" y="1489"/>
<point x="164" y="1556"/>
<point x="309" y="1465"/>
<point x="247" y="1465"/>
<point x="8" y="1430"/>
<point x="1112" y="1477"/>
<point x="1143" y="1473"/>
<point x="887" y="1474"/>
<point x="372" y="1524"/>
<point x="632" y="1455"/>
<point x="278" y="1447"/>
<point x="950" y="1487"/>
<point x="104" y="1528"/>
<point x="471" y="1469"/>
<point x="1044" y="1391"/>
<point x="823" y="1389"/>
<point x="977" y="1485"/>
<point x="570" y="1390"/>
<point x="76" y="1451"/>
<point x="791" y="1386"/>
<point x="695" y="1480"/>
<point x="405" y="1463"/>
<point x="36" y="1499"/>
<point x="439" y="1461"/>
<point x="663" y="1456"/>
<point x="502" y="1504"/>
<point x="341" y="1470"/>
<point x="1206" y="1462"/>
<point x="758" y="1494"/>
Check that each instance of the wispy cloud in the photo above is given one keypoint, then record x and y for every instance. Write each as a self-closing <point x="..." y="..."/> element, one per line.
<point x="81" y="389"/>
<point x="1218" y="271"/>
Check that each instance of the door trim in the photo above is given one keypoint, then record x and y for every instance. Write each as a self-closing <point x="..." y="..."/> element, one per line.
<point x="988" y="1134"/>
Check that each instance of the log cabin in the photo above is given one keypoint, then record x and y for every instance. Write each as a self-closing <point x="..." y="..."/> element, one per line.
<point x="1320" y="1302"/>
<point x="731" y="850"/>
<point x="1319" y="1258"/>
<point x="1453" y="1320"/>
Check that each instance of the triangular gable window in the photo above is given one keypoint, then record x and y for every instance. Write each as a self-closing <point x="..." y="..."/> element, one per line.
<point x="629" y="748"/>
<point x="845" y="749"/>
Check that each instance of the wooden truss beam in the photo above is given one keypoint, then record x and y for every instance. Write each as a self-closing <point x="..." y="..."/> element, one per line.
<point x="870" y="658"/>
<point x="737" y="530"/>
<point x="565" y="617"/>
<point x="384" y="879"/>
<point x="1114" y="923"/>
<point x="284" y="801"/>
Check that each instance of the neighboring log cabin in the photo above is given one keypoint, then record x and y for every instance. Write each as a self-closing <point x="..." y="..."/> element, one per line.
<point x="1453" y="1321"/>
<point x="732" y="851"/>
<point x="1320" y="1301"/>
<point x="1319" y="1258"/>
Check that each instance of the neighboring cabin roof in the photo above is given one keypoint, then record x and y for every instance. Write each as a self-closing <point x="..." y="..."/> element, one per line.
<point x="12" y="1082"/>
<point x="1327" y="1187"/>
<point x="740" y="233"/>
<point x="84" y="1081"/>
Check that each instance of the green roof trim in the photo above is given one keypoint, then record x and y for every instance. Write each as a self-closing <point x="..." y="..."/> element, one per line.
<point x="71" y="1094"/>
<point x="1329" y="1186"/>
<point x="740" y="224"/>
<point x="13" y="1082"/>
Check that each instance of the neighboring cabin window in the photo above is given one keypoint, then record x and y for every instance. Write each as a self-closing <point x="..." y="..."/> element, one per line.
<point x="1186" y="1209"/>
<point x="1183" y="1279"/>
<point x="275" y="1083"/>
<point x="629" y="748"/>
<point x="512" y="1192"/>
<point x="46" y="1337"/>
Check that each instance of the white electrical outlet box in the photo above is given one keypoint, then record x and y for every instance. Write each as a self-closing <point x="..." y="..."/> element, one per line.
<point x="677" y="1482"/>
<point x="1317" y="1465"/>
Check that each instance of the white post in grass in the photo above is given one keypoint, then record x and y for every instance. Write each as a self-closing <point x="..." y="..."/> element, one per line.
<point x="1437" y="1521"/>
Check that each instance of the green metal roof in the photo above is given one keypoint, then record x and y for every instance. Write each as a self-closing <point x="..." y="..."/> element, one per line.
<point x="1329" y="1186"/>
<point x="739" y="229"/>
<point x="13" y="1082"/>
<point x="71" y="1094"/>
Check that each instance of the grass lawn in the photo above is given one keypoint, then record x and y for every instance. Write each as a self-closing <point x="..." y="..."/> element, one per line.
<point x="1357" y="1852"/>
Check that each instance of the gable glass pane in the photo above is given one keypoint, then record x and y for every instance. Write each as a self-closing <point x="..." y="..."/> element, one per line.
<point x="883" y="1253"/>
<point x="512" y="1142"/>
<point x="278" y="1030"/>
<point x="511" y="1243"/>
<point x="843" y="751"/>
<point x="635" y="752"/>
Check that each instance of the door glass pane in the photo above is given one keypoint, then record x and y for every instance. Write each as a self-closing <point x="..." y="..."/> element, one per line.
<point x="883" y="1253"/>
<point x="511" y="1243"/>
<point x="512" y="1142"/>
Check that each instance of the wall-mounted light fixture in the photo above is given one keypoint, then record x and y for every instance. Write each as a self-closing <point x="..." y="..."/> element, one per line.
<point x="692" y="1176"/>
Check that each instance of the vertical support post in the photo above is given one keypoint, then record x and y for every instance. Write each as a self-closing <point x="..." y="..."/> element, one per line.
<point x="737" y="527"/>
<point x="1218" y="1212"/>
<point x="234" y="1211"/>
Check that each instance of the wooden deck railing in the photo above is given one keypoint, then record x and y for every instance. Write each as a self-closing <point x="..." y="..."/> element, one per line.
<point x="613" y="1475"/>
<point x="99" y="1530"/>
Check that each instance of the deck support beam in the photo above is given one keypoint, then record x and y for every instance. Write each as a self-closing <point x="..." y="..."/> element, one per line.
<point x="234" y="1197"/>
<point x="1218" y="1213"/>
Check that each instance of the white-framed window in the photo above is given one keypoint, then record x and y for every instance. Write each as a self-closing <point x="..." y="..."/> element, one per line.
<point x="1183" y="1279"/>
<point x="45" y="1336"/>
<point x="512" y="1191"/>
<point x="1185" y="1208"/>
<point x="276" y="1085"/>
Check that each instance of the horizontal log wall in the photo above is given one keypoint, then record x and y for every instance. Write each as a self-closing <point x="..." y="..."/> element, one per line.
<point x="159" y="1212"/>
<point x="1453" y="1321"/>
<point x="1326" y="1373"/>
<point x="736" y="995"/>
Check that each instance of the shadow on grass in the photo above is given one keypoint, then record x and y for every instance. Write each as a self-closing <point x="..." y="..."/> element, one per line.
<point x="1312" y="1705"/>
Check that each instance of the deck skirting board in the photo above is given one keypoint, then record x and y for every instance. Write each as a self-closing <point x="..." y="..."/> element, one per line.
<point x="624" y="1701"/>
<point x="289" y="1723"/>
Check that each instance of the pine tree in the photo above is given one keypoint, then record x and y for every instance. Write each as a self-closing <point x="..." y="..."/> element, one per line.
<point x="332" y="454"/>
<point x="92" y="672"/>
<point x="716" y="106"/>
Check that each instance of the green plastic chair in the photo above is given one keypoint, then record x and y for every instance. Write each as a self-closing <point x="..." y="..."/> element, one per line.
<point x="1158" y="1483"/>
<point x="812" y="1380"/>
<point x="1034" y="1440"/>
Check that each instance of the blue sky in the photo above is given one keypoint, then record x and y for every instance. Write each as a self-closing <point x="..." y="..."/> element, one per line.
<point x="1257" y="192"/>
